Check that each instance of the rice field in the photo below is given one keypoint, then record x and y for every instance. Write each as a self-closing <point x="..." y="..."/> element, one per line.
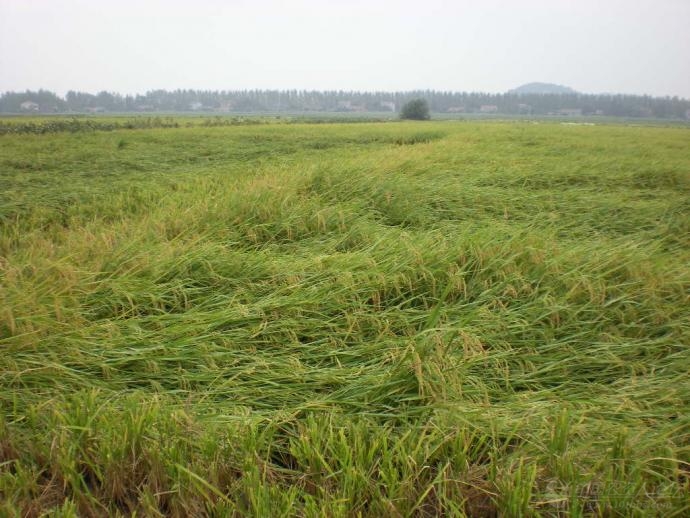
<point x="454" y="318"/>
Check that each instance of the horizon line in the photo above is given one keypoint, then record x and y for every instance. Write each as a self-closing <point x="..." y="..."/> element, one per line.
<point x="347" y="91"/>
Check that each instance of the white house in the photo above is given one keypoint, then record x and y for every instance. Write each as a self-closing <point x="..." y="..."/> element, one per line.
<point x="389" y="105"/>
<point x="29" y="106"/>
<point x="225" y="106"/>
<point x="488" y="108"/>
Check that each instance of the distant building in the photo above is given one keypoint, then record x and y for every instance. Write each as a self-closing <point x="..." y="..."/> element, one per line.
<point x="687" y="113"/>
<point x="349" y="106"/>
<point x="96" y="109"/>
<point x="29" y="106"/>
<point x="488" y="108"/>
<point x="388" y="105"/>
<point x="456" y="109"/>
<point x="225" y="106"/>
<point x="569" y="112"/>
<point x="196" y="106"/>
<point x="598" y="112"/>
<point x="524" y="108"/>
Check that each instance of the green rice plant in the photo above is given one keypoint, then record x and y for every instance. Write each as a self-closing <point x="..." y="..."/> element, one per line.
<point x="314" y="320"/>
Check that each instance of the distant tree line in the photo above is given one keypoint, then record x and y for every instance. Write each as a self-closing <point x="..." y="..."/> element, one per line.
<point x="276" y="101"/>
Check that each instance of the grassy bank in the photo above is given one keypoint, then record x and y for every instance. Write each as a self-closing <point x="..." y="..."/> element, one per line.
<point x="402" y="319"/>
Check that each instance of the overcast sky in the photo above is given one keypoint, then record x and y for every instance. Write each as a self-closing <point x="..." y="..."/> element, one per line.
<point x="131" y="46"/>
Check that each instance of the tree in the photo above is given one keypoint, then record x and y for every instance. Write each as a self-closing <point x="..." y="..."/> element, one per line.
<point x="416" y="109"/>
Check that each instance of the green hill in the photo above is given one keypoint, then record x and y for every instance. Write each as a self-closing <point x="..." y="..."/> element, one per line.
<point x="542" y="88"/>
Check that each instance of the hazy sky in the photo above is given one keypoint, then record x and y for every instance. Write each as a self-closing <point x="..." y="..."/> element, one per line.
<point x="131" y="46"/>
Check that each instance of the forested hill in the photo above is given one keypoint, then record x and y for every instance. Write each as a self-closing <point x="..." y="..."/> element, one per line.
<point x="277" y="101"/>
<point x="542" y="88"/>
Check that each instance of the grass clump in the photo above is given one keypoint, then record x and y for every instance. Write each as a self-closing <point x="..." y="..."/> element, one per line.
<point x="316" y="320"/>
